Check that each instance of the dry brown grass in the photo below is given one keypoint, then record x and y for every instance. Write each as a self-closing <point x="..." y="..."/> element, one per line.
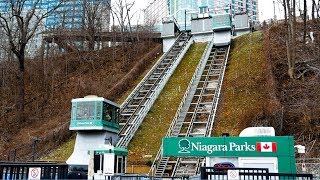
<point x="246" y="98"/>
<point x="48" y="96"/>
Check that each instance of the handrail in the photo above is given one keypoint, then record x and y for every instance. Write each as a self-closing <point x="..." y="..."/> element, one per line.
<point x="147" y="75"/>
<point x="217" y="95"/>
<point x="209" y="45"/>
<point x="203" y="58"/>
<point x="153" y="93"/>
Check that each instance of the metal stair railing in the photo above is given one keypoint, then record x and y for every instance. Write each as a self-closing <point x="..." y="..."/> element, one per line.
<point x="137" y="88"/>
<point x="138" y="114"/>
<point x="147" y="97"/>
<point x="193" y="79"/>
<point x="195" y="163"/>
<point x="203" y="60"/>
<point x="217" y="94"/>
<point x="214" y="103"/>
<point x="178" y="166"/>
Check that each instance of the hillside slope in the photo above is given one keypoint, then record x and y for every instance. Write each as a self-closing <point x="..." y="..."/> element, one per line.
<point x="300" y="97"/>
<point x="248" y="91"/>
<point x="257" y="90"/>
<point x="147" y="140"/>
<point x="50" y="86"/>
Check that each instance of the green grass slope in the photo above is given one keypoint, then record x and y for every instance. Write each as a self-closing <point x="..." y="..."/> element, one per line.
<point x="147" y="140"/>
<point x="246" y="92"/>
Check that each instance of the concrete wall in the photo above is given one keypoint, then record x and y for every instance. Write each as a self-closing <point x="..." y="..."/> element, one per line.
<point x="89" y="140"/>
<point x="201" y="29"/>
<point x="222" y="38"/>
<point x="168" y="29"/>
<point x="241" y="21"/>
<point x="201" y="25"/>
<point x="167" y="43"/>
<point x="203" y="37"/>
<point x="239" y="32"/>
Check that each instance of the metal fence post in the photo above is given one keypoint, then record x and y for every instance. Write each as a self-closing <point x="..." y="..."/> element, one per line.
<point x="203" y="174"/>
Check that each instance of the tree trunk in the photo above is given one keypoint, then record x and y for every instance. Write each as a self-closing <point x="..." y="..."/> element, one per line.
<point x="290" y="39"/>
<point x="304" y="21"/>
<point x="293" y="37"/>
<point x="285" y="12"/>
<point x="313" y="9"/>
<point x="91" y="34"/>
<point x="21" y="91"/>
<point x="318" y="9"/>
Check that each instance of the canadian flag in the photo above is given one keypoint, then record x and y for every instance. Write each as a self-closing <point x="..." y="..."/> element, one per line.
<point x="266" y="146"/>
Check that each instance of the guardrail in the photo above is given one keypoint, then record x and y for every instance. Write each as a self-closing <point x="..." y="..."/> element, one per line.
<point x="216" y="55"/>
<point x="131" y="126"/>
<point x="15" y="171"/>
<point x="248" y="173"/>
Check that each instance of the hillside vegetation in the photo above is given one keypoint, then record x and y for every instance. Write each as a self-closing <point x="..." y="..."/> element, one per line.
<point x="64" y="150"/>
<point x="147" y="140"/>
<point x="257" y="90"/>
<point x="299" y="97"/>
<point x="52" y="82"/>
<point x="248" y="96"/>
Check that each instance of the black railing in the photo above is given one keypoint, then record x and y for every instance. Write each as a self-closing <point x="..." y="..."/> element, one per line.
<point x="143" y="177"/>
<point x="249" y="173"/>
<point x="241" y="173"/>
<point x="284" y="176"/>
<point x="18" y="170"/>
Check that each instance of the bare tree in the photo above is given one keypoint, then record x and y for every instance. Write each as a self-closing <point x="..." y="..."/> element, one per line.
<point x="315" y="9"/>
<point x="94" y="19"/>
<point x="20" y="24"/>
<point x="304" y="21"/>
<point x="290" y="22"/>
<point x="120" y="11"/>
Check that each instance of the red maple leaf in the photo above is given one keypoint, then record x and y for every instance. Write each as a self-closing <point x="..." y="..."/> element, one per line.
<point x="266" y="146"/>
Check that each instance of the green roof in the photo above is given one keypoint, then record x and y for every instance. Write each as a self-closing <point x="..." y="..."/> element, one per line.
<point x="116" y="150"/>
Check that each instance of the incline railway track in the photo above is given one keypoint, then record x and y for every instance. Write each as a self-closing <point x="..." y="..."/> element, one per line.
<point x="139" y="102"/>
<point x="195" y="116"/>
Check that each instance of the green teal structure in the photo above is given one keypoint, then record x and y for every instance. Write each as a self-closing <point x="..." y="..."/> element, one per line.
<point x="96" y="121"/>
<point x="221" y="22"/>
<point x="281" y="147"/>
<point x="94" y="113"/>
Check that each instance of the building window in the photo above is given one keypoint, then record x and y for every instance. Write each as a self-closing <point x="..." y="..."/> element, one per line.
<point x="85" y="110"/>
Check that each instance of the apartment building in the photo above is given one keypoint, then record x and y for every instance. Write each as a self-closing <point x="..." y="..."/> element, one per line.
<point x="183" y="10"/>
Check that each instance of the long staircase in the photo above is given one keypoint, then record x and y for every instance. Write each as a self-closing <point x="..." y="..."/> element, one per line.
<point x="195" y="116"/>
<point x="139" y="102"/>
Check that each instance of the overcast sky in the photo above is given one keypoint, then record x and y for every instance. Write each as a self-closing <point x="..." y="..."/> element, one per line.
<point x="265" y="9"/>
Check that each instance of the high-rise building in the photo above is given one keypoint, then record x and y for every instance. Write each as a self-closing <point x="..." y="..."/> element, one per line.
<point x="182" y="10"/>
<point x="68" y="16"/>
<point x="72" y="15"/>
<point x="247" y="6"/>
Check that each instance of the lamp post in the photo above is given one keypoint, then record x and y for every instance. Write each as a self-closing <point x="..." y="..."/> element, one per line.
<point x="185" y="19"/>
<point x="34" y="141"/>
<point x="190" y="11"/>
